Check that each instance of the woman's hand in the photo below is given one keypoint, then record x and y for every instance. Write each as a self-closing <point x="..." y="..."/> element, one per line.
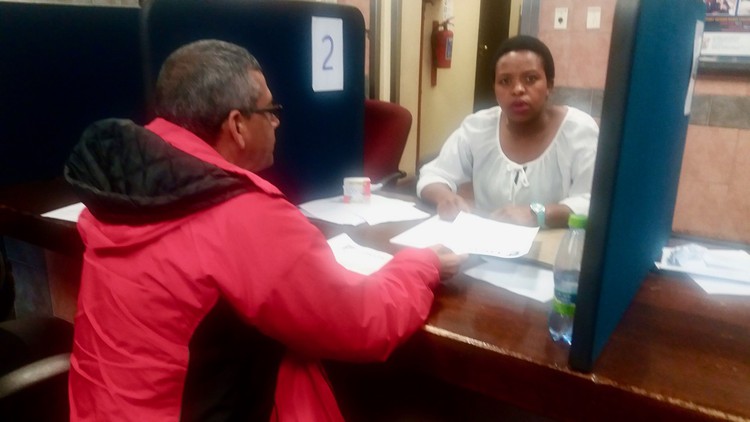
<point x="449" y="207"/>
<point x="556" y="215"/>
<point x="515" y="214"/>
<point x="447" y="202"/>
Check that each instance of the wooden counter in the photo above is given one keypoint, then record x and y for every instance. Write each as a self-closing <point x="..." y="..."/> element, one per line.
<point x="678" y="353"/>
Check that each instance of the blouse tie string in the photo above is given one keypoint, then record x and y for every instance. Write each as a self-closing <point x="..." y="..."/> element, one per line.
<point x="518" y="179"/>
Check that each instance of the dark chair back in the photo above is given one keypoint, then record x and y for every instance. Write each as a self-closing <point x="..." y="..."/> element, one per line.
<point x="387" y="128"/>
<point x="61" y="68"/>
<point x="319" y="141"/>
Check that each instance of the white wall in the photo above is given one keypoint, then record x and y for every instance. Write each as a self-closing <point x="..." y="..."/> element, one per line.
<point x="411" y="34"/>
<point x="442" y="106"/>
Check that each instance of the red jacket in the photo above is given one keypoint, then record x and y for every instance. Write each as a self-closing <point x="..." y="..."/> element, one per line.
<point x="156" y="263"/>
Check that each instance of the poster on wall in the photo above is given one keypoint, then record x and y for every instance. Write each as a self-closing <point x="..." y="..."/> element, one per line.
<point x="726" y="40"/>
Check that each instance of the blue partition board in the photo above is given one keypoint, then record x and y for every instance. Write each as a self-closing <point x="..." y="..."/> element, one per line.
<point x="61" y="68"/>
<point x="320" y="140"/>
<point x="641" y="142"/>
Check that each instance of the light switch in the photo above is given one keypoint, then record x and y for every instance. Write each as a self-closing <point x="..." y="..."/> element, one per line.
<point x="594" y="18"/>
<point x="561" y="18"/>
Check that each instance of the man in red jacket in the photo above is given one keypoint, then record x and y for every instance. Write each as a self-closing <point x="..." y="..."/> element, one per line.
<point x="179" y="227"/>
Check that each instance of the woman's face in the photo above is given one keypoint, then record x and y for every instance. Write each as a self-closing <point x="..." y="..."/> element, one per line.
<point x="521" y="87"/>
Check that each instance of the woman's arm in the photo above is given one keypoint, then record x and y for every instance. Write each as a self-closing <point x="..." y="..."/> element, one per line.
<point x="555" y="215"/>
<point x="585" y="137"/>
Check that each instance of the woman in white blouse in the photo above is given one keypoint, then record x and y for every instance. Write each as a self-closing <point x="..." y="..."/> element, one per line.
<point x="530" y="162"/>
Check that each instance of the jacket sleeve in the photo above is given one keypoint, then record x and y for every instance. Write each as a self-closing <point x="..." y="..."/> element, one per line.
<point x="279" y="272"/>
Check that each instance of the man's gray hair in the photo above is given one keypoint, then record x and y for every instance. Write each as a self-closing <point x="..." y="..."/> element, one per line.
<point x="201" y="82"/>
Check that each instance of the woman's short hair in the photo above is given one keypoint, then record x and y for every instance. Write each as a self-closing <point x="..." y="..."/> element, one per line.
<point x="201" y="82"/>
<point x="529" y="43"/>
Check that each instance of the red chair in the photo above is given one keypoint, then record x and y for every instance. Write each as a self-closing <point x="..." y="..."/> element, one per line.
<point x="387" y="127"/>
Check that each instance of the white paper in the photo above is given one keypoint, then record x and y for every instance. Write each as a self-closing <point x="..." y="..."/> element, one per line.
<point x="69" y="213"/>
<point x="697" y="42"/>
<point x="726" y="44"/>
<point x="469" y="233"/>
<point x="526" y="280"/>
<point x="327" y="54"/>
<point x="729" y="264"/>
<point x="355" y="257"/>
<point x="721" y="286"/>
<point x="379" y="210"/>
<point x="430" y="232"/>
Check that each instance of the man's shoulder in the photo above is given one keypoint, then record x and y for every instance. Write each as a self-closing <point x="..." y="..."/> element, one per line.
<point x="257" y="207"/>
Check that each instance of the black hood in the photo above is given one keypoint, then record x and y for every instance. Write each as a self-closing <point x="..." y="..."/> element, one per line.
<point x="126" y="174"/>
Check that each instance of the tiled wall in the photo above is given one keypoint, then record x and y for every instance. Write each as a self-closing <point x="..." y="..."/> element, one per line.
<point x="713" y="198"/>
<point x="714" y="193"/>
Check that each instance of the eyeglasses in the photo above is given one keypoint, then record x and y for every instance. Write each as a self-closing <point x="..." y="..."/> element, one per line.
<point x="274" y="109"/>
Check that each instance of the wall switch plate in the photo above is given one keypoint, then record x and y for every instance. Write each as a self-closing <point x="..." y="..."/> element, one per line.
<point x="561" y="18"/>
<point x="594" y="18"/>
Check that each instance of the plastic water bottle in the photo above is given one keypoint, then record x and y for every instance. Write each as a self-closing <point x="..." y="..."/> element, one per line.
<point x="566" y="272"/>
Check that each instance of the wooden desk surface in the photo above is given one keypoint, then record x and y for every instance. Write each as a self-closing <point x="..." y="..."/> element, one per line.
<point x="21" y="207"/>
<point x="678" y="353"/>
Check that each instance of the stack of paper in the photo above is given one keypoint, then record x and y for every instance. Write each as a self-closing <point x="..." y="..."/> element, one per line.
<point x="469" y="233"/>
<point x="717" y="271"/>
<point x="379" y="210"/>
<point x="355" y="257"/>
<point x="69" y="213"/>
<point x="526" y="280"/>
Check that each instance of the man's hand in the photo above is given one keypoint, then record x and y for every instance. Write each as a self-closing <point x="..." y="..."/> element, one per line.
<point x="450" y="263"/>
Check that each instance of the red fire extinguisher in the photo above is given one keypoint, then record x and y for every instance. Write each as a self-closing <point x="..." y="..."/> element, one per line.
<point x="442" y="42"/>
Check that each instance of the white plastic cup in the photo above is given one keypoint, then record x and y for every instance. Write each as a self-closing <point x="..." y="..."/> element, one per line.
<point x="356" y="190"/>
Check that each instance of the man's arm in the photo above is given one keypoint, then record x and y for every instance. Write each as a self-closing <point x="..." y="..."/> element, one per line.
<point x="284" y="279"/>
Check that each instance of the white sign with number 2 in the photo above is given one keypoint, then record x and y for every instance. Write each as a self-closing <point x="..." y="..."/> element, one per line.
<point x="327" y="54"/>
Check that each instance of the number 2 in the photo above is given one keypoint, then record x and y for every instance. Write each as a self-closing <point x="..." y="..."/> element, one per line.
<point x="327" y="45"/>
<point x="327" y="66"/>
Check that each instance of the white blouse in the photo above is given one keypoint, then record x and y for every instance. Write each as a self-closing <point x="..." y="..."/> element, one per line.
<point x="561" y="174"/>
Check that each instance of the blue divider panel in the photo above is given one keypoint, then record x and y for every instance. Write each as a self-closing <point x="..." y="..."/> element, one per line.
<point x="61" y="68"/>
<point x="320" y="139"/>
<point x="643" y="128"/>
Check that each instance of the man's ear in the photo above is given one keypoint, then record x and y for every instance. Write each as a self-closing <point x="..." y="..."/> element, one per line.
<point x="236" y="127"/>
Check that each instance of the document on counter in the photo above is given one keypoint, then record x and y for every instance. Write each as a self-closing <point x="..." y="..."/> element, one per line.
<point x="355" y="257"/>
<point x="469" y="233"/>
<point x="523" y="279"/>
<point x="379" y="210"/>
<point x="68" y="213"/>
<point x="716" y="271"/>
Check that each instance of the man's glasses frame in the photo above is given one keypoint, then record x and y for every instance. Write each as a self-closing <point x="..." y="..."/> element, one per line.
<point x="274" y="109"/>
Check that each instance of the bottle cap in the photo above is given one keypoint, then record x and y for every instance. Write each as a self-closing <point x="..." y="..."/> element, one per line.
<point x="577" y="221"/>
